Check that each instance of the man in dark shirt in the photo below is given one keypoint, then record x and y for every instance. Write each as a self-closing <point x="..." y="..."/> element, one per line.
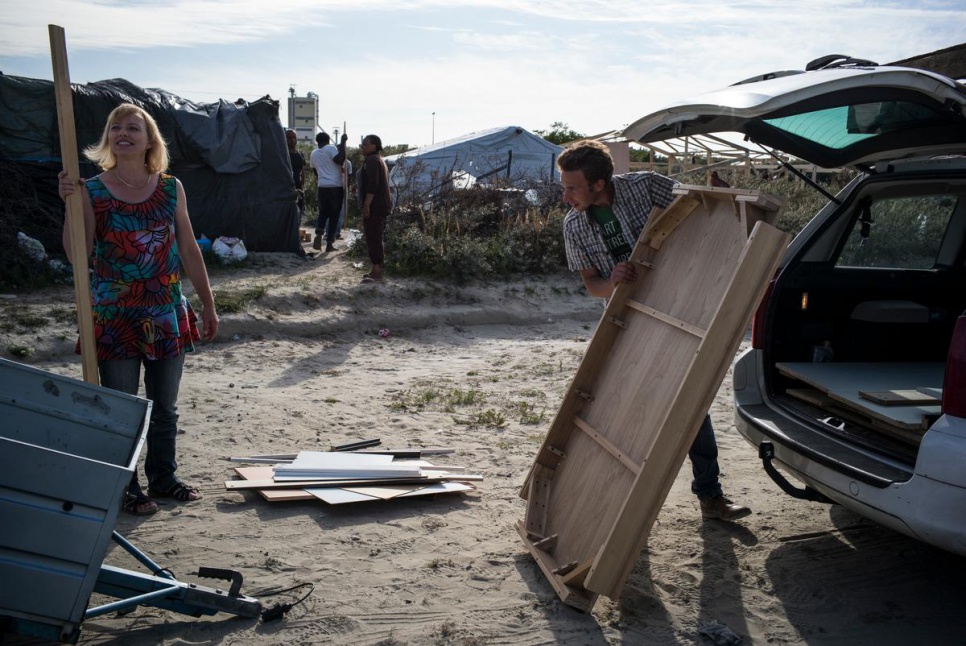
<point x="376" y="199"/>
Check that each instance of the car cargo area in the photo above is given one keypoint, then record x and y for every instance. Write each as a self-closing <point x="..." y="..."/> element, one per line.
<point x="859" y="324"/>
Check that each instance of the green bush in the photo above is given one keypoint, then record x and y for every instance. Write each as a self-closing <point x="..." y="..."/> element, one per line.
<point x="484" y="232"/>
<point x="481" y="240"/>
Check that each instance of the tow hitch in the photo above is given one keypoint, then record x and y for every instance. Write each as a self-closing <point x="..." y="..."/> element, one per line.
<point x="766" y="451"/>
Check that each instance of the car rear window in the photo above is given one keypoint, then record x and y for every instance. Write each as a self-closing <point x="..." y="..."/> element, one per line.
<point x="838" y="128"/>
<point x="898" y="233"/>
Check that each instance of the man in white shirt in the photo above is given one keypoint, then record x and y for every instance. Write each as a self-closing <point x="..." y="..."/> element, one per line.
<point x="326" y="161"/>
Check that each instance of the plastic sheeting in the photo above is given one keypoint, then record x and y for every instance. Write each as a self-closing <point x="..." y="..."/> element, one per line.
<point x="508" y="153"/>
<point x="231" y="157"/>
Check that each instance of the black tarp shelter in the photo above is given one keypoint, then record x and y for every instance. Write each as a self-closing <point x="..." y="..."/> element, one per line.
<point x="231" y="157"/>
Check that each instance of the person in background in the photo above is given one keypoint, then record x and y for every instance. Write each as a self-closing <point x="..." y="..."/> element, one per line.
<point x="373" y="185"/>
<point x="346" y="176"/>
<point x="717" y="181"/>
<point x="298" y="169"/>
<point x="326" y="161"/>
<point x="606" y="217"/>
<point x="139" y="240"/>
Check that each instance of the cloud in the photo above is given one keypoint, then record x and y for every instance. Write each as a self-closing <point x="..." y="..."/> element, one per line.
<point x="594" y="64"/>
<point x="138" y="25"/>
<point x="515" y="42"/>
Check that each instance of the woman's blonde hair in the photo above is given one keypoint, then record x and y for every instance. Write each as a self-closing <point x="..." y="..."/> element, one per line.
<point x="155" y="157"/>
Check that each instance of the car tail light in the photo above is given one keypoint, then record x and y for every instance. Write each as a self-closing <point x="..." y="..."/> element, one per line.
<point x="758" y="322"/>
<point x="954" y="386"/>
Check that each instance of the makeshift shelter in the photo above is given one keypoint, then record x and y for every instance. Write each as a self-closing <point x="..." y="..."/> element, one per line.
<point x="509" y="154"/>
<point x="231" y="157"/>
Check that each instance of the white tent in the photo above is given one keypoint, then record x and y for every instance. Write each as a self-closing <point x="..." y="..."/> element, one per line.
<point x="508" y="153"/>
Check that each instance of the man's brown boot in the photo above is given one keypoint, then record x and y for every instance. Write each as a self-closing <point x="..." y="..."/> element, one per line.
<point x="722" y="508"/>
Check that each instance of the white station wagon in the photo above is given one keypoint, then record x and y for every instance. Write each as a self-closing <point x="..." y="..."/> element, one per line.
<point x="855" y="382"/>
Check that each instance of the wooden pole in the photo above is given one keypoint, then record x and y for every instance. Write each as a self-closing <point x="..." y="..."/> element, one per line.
<point x="75" y="207"/>
<point x="345" y="188"/>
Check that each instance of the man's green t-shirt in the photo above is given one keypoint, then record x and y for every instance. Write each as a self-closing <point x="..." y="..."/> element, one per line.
<point x="614" y="239"/>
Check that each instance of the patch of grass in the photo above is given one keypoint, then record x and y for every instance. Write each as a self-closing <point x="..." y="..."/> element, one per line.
<point x="460" y="397"/>
<point x="28" y="320"/>
<point x="237" y="301"/>
<point x="491" y="418"/>
<point x="19" y="351"/>
<point x="64" y="315"/>
<point x="529" y="414"/>
<point x="547" y="369"/>
<point x="414" y="400"/>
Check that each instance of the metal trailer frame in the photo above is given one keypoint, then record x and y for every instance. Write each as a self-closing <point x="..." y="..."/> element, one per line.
<point x="68" y="450"/>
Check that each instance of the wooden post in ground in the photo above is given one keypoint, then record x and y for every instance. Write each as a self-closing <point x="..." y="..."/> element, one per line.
<point x="75" y="208"/>
<point x="345" y="188"/>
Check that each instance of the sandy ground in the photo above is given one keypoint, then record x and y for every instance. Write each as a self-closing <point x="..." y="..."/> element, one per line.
<point x="305" y="368"/>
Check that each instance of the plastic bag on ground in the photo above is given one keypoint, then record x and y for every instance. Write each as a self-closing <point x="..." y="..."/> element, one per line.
<point x="229" y="249"/>
<point x="33" y="248"/>
<point x="352" y="236"/>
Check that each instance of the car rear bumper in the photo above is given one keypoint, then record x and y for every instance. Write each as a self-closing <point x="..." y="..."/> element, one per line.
<point x="916" y="502"/>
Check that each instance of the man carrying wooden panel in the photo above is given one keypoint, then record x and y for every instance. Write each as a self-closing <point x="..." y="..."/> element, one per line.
<point x="608" y="213"/>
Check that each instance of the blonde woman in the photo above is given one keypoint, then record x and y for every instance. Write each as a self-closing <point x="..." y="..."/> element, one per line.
<point x="139" y="240"/>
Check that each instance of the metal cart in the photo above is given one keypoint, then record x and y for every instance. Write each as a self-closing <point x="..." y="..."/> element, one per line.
<point x="67" y="452"/>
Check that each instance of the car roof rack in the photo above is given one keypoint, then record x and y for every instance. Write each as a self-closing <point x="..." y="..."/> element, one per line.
<point x="838" y="60"/>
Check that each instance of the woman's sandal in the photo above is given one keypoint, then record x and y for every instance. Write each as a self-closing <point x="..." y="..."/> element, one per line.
<point x="139" y="505"/>
<point x="180" y="492"/>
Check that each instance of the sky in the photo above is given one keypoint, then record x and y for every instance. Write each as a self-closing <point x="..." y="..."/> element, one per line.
<point x="423" y="71"/>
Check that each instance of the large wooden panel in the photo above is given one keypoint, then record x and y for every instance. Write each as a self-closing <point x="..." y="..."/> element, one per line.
<point x="647" y="380"/>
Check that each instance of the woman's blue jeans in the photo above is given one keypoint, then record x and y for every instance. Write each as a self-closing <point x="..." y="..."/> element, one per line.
<point x="162" y="380"/>
<point x="704" y="462"/>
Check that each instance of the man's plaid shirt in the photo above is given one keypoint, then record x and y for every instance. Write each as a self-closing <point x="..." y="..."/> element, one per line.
<point x="635" y="195"/>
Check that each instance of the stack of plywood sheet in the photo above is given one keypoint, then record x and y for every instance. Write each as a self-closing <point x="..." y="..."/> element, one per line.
<point x="900" y="399"/>
<point x="650" y="373"/>
<point x="346" y="477"/>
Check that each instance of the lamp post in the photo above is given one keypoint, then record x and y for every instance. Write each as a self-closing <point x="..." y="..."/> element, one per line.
<point x="434" y="128"/>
